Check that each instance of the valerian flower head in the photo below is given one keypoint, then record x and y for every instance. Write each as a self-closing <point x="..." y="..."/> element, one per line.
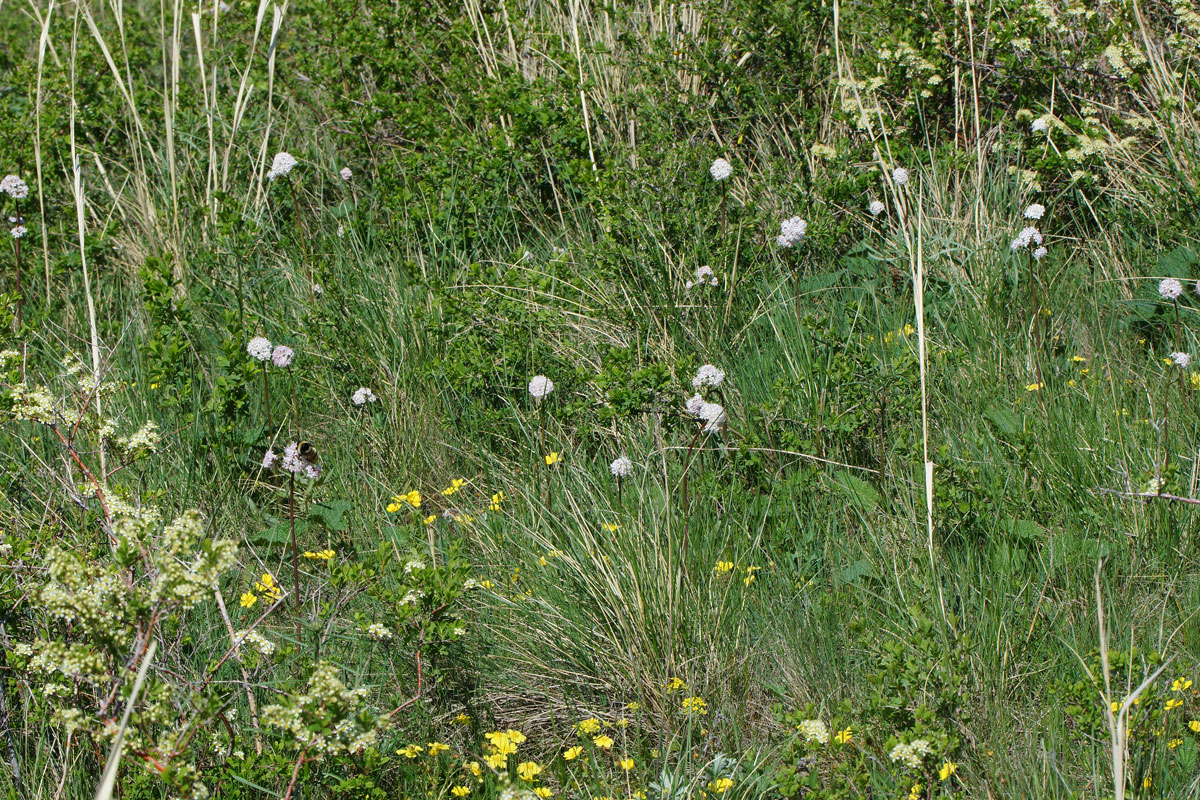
<point x="876" y="208"/>
<point x="1039" y="253"/>
<point x="1181" y="360"/>
<point x="1028" y="235"/>
<point x="621" y="467"/>
<point x="1035" y="211"/>
<point x="720" y="170"/>
<point x="791" y="232"/>
<point x="540" y="386"/>
<point x="1170" y="289"/>
<point x="708" y="376"/>
<point x="14" y="187"/>
<point x="362" y="396"/>
<point x="282" y="355"/>
<point x="713" y="415"/>
<point x="19" y="231"/>
<point x="1039" y="125"/>
<point x="346" y="174"/>
<point x="900" y="176"/>
<point x="694" y="404"/>
<point x="259" y="348"/>
<point x="282" y="165"/>
<point x="269" y="459"/>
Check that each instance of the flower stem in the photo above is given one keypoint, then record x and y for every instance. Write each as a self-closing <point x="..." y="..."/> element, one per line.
<point x="295" y="552"/>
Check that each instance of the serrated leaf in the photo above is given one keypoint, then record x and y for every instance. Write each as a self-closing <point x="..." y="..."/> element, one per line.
<point x="858" y="490"/>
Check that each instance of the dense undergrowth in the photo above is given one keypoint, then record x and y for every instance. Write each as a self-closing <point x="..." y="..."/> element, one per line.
<point x="743" y="399"/>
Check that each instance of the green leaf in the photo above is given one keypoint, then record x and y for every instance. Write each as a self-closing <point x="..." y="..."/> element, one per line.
<point x="858" y="490"/>
<point x="330" y="514"/>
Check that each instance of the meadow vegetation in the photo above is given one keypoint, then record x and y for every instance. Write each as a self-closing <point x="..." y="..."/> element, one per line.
<point x="637" y="401"/>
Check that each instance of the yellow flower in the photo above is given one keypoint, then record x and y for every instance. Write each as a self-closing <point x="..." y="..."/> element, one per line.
<point x="552" y="459"/>
<point x="844" y="737"/>
<point x="1195" y="725"/>
<point x="528" y="770"/>
<point x="675" y="684"/>
<point x="572" y="753"/>
<point x="268" y="587"/>
<point x="1078" y="359"/>
<point x="437" y="747"/>
<point x="516" y="736"/>
<point x="632" y="706"/>
<point x="429" y="520"/>
<point x="948" y="769"/>
<point x="611" y="527"/>
<point x="454" y="487"/>
<point x="721" y="785"/>
<point x="323" y="555"/>
<point x="474" y="768"/>
<point x="462" y="719"/>
<point x="1146" y="782"/>
<point x="1195" y="376"/>
<point x="464" y="519"/>
<point x="909" y="330"/>
<point x="504" y="747"/>
<point x="497" y="499"/>
<point x="622" y="723"/>
<point x="543" y="561"/>
<point x="543" y="792"/>
<point x="695" y="705"/>
<point x="496" y="761"/>
<point x="1173" y="703"/>
<point x="1033" y="387"/>
<point x="625" y="764"/>
<point x="248" y="599"/>
<point x="1181" y="684"/>
<point x="497" y="738"/>
<point x="724" y="566"/>
<point x="1174" y="743"/>
<point x="589" y="725"/>
<point x="750" y="576"/>
<point x="410" y="751"/>
<point x="603" y="741"/>
<point x="1115" y="706"/>
<point x="460" y="791"/>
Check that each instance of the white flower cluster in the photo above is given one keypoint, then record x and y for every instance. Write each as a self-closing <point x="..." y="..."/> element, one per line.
<point x="621" y="467"/>
<point x="720" y="170"/>
<point x="704" y="276"/>
<point x="1028" y="235"/>
<point x="259" y="348"/>
<point x="292" y="462"/>
<point x="1170" y="289"/>
<point x="1181" y="360"/>
<point x="327" y="719"/>
<point x="791" y="231"/>
<point x="1035" y="211"/>
<point x="711" y="414"/>
<point x="19" y="231"/>
<point x="876" y="208"/>
<point x="813" y="730"/>
<point x="378" y="632"/>
<point x="1039" y="125"/>
<point x="282" y="355"/>
<point x="413" y="597"/>
<point x="282" y="165"/>
<point x="900" y="176"/>
<point x="362" y="396"/>
<point x="708" y="376"/>
<point x="346" y="174"/>
<point x="910" y="754"/>
<point x="413" y="564"/>
<point x="262" y="644"/>
<point x="14" y="187"/>
<point x="145" y="439"/>
<point x="540" y="386"/>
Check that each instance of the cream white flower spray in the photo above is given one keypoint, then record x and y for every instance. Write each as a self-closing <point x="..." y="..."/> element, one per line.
<point x="18" y="190"/>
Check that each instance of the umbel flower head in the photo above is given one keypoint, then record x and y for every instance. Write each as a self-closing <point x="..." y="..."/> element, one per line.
<point x="791" y="231"/>
<point x="876" y="208"/>
<point x="1170" y="289"/>
<point x="1035" y="211"/>
<point x="621" y="467"/>
<point x="259" y="348"/>
<point x="720" y="170"/>
<point x="294" y="462"/>
<point x="540" y="386"/>
<point x="19" y="231"/>
<point x="708" y="376"/>
<point x="1039" y="125"/>
<point x="704" y="275"/>
<point x="282" y="165"/>
<point x="1028" y="235"/>
<point x="362" y="396"/>
<point x="346" y="174"/>
<point x="713" y="415"/>
<point x="14" y="187"/>
<point x="900" y="176"/>
<point x="282" y="355"/>
<point x="1181" y="360"/>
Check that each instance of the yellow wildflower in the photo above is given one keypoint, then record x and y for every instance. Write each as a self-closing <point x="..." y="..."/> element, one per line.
<point x="248" y="599"/>
<point x="429" y="520"/>
<point x="589" y="725"/>
<point x="625" y="764"/>
<point x="454" y="487"/>
<point x="724" y="567"/>
<point x="528" y="770"/>
<point x="543" y="792"/>
<point x="1173" y="703"/>
<point x="410" y="751"/>
<point x="844" y="737"/>
<point x="632" y="706"/>
<point x="474" y="768"/>
<point x="323" y="555"/>
<point x="611" y="527"/>
<point x="603" y="742"/>
<point x="1181" y="684"/>
<point x="460" y="791"/>
<point x="675" y="684"/>
<point x="572" y="753"/>
<point x="721" y="785"/>
<point x="1195" y="725"/>
<point x="948" y="769"/>
<point x="462" y="719"/>
<point x="695" y="705"/>
<point x="1033" y="387"/>
<point x="496" y="761"/>
<point x="437" y="747"/>
<point x="497" y="499"/>
<point x="552" y="459"/>
<point x="516" y="736"/>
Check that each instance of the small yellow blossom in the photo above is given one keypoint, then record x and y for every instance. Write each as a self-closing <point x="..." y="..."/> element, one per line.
<point x="695" y="705"/>
<point x="1146" y="782"/>
<point x="515" y="736"/>
<point x="462" y="719"/>
<point x="1174" y="743"/>
<point x="632" y="706"/>
<point x="675" y="684"/>
<point x="460" y="791"/>
<point x="603" y="742"/>
<point x="589" y="725"/>
<point x="268" y="587"/>
<point x="543" y="792"/>
<point x="454" y="487"/>
<point x="721" y="785"/>
<point x="1173" y="704"/>
<point x="724" y="567"/>
<point x="1033" y="387"/>
<point x="552" y="459"/>
<point x="528" y="770"/>
<point x="437" y="747"/>
<point x="497" y="499"/>
<point x="948" y="769"/>
<point x="625" y="764"/>
<point x="1181" y="684"/>
<point x="410" y="751"/>
<point x="429" y="520"/>
<point x="611" y="527"/>
<point x="248" y="599"/>
<point x="750" y="575"/>
<point x="572" y="753"/>
<point x="323" y="555"/>
<point x="496" y="761"/>
<point x="1195" y="725"/>
<point x="844" y="737"/>
<point x="473" y="768"/>
<point x="1078" y="359"/>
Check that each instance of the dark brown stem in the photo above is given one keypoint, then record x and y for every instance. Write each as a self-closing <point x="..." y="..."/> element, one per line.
<point x="267" y="401"/>
<point x="295" y="774"/>
<point x="295" y="552"/>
